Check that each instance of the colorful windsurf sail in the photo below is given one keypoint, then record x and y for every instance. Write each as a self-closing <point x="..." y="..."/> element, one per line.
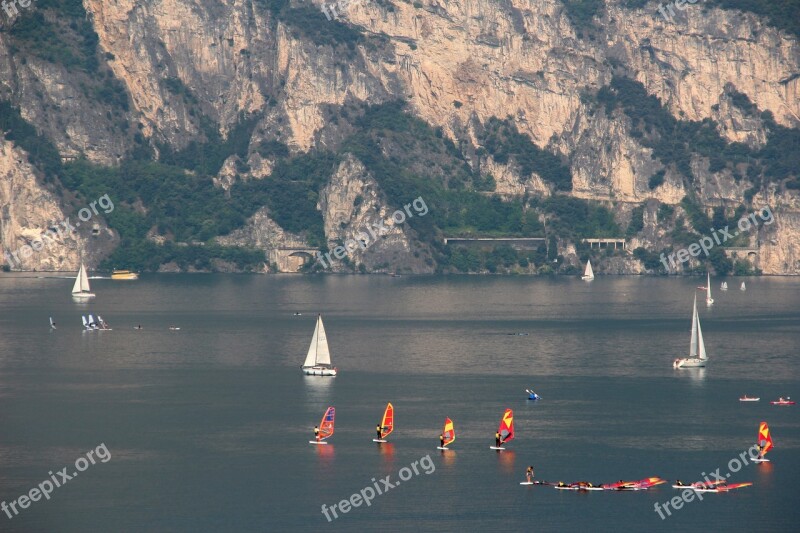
<point x="326" y="426"/>
<point x="449" y="432"/>
<point x="506" y="428"/>
<point x="651" y="482"/>
<point x="387" y="424"/>
<point x="764" y="438"/>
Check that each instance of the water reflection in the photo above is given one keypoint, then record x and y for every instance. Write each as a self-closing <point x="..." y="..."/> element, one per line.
<point x="506" y="460"/>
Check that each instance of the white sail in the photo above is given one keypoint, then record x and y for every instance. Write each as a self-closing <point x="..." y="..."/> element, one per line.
<point x="318" y="352"/>
<point x="77" y="287"/>
<point x="709" y="299"/>
<point x="701" y="346"/>
<point x="85" y="323"/>
<point x="743" y="287"/>
<point x="588" y="273"/>
<point x="697" y="348"/>
<point x="323" y="353"/>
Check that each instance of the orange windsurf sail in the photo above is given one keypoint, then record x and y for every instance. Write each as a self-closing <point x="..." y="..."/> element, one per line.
<point x="449" y="432"/>
<point x="326" y="426"/>
<point x="764" y="438"/>
<point x="506" y="428"/>
<point x="387" y="424"/>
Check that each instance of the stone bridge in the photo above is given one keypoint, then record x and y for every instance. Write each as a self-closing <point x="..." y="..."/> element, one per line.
<point x="292" y="259"/>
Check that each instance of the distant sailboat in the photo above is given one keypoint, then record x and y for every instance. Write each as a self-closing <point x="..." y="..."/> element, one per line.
<point x="724" y="286"/>
<point x="387" y="423"/>
<point x="505" y="430"/>
<point x="81" y="288"/>
<point x="448" y="435"/>
<point x="318" y="359"/>
<point x="588" y="273"/>
<point x="697" y="348"/>
<point x="709" y="299"/>
<point x="743" y="287"/>
<point x="325" y="426"/>
<point x="52" y="324"/>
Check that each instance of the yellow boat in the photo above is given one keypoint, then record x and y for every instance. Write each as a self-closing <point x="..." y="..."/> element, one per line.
<point x="124" y="274"/>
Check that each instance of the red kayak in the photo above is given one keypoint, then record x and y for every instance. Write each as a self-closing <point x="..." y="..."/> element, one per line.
<point x="782" y="402"/>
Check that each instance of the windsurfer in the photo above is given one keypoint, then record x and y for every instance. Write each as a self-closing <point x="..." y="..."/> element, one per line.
<point x="316" y="433"/>
<point x="441" y="441"/>
<point x="497" y="440"/>
<point x="378" y="429"/>
<point x="529" y="474"/>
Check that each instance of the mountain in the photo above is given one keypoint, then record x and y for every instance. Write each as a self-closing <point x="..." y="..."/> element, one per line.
<point x="262" y="135"/>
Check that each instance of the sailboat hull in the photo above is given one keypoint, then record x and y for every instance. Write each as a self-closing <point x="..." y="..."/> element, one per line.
<point x="83" y="295"/>
<point x="319" y="371"/>
<point x="587" y="278"/>
<point x="689" y="363"/>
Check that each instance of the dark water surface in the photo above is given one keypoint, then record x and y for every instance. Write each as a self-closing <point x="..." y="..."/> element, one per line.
<point x="207" y="427"/>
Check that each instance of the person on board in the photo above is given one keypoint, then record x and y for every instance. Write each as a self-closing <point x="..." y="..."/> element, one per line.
<point x="497" y="440"/>
<point x="378" y="430"/>
<point x="760" y="452"/>
<point x="529" y="474"/>
<point x="316" y="433"/>
<point x="441" y="441"/>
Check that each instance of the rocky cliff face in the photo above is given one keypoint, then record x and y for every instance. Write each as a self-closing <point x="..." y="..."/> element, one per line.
<point x="357" y="217"/>
<point x="458" y="63"/>
<point x="35" y="231"/>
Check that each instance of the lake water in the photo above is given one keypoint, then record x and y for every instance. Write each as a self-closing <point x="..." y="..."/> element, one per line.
<point x="208" y="427"/>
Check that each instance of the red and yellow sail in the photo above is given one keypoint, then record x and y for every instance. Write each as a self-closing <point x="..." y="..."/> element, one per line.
<point x="506" y="428"/>
<point x="449" y="432"/>
<point x="387" y="424"/>
<point x="764" y="438"/>
<point x="326" y="426"/>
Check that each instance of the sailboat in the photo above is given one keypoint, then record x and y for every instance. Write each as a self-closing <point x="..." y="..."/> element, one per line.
<point x="764" y="441"/>
<point x="697" y="349"/>
<point x="81" y="288"/>
<point x="318" y="359"/>
<point x="743" y="287"/>
<point x="52" y="324"/>
<point x="724" y="286"/>
<point x="506" y="429"/>
<point x="448" y="434"/>
<point x="387" y="423"/>
<point x="709" y="299"/>
<point x="588" y="273"/>
<point x="325" y="426"/>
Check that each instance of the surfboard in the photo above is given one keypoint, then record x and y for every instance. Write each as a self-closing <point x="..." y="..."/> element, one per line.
<point x="316" y="442"/>
<point x="441" y="448"/>
<point x="765" y="460"/>
<point x="496" y="448"/>
<point x="526" y="483"/>
<point x="379" y="440"/>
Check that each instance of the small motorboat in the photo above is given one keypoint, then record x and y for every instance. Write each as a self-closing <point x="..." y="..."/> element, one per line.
<point x="532" y="395"/>
<point x="782" y="401"/>
<point x="746" y="398"/>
